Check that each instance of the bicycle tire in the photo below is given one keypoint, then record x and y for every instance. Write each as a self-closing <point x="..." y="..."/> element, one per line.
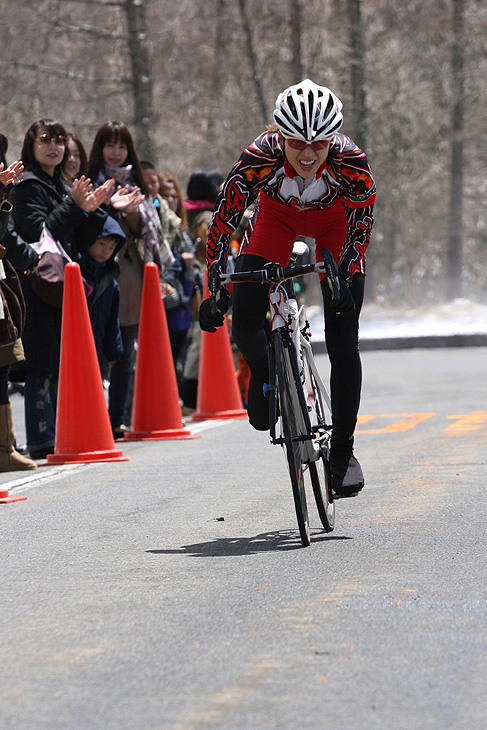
<point x="321" y="482"/>
<point x="292" y="427"/>
<point x="320" y="470"/>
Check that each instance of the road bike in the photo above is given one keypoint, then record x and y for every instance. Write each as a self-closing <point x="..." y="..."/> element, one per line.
<point x="299" y="403"/>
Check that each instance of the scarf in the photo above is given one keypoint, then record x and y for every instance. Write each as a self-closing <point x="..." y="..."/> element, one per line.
<point x="121" y="175"/>
<point x="152" y="244"/>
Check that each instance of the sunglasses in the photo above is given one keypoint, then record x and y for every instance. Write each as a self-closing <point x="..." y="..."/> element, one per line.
<point x="298" y="144"/>
<point x="46" y="139"/>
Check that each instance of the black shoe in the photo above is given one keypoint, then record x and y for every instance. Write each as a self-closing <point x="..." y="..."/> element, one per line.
<point x="257" y="405"/>
<point x="346" y="484"/>
<point x="41" y="453"/>
<point x="257" y="402"/>
<point x="119" y="432"/>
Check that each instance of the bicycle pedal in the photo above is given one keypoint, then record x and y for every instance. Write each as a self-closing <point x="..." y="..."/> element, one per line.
<point x="343" y="496"/>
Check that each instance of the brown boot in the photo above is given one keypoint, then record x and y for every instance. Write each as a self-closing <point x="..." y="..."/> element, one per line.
<point x="10" y="459"/>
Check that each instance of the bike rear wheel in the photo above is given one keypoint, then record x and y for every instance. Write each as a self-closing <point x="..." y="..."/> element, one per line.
<point x="294" y="428"/>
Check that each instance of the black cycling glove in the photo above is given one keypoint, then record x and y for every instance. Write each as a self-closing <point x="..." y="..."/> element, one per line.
<point x="344" y="303"/>
<point x="210" y="322"/>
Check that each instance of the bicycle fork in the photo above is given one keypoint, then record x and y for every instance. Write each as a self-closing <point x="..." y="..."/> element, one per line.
<point x="309" y="446"/>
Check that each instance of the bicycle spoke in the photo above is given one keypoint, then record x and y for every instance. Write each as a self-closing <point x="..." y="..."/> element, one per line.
<point x="292" y="425"/>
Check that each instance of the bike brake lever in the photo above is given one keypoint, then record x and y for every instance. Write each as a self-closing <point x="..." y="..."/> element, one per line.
<point x="331" y="269"/>
<point x="213" y="285"/>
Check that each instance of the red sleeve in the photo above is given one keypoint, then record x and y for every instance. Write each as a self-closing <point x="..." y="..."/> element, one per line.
<point x="350" y="166"/>
<point x="249" y="174"/>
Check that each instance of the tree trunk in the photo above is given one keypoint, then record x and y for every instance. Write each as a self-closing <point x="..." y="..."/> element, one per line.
<point x="295" y="28"/>
<point x="215" y="95"/>
<point x="455" y="253"/>
<point x="253" y="60"/>
<point x="141" y="77"/>
<point x="359" y="116"/>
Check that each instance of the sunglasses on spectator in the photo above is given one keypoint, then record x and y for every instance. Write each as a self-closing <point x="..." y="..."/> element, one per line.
<point x="46" y="139"/>
<point x="298" y="144"/>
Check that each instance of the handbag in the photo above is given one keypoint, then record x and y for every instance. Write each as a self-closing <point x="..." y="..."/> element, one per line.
<point x="48" y="278"/>
<point x="12" y="304"/>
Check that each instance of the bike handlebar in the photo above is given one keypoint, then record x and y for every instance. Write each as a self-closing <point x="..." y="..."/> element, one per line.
<point x="272" y="273"/>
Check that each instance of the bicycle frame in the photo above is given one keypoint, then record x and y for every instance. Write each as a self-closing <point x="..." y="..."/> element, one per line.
<point x="285" y="317"/>
<point x="296" y="391"/>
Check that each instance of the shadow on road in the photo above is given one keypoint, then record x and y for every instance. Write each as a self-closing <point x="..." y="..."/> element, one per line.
<point x="265" y="542"/>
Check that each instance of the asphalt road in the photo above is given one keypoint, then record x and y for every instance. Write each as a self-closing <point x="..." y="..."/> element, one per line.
<point x="171" y="592"/>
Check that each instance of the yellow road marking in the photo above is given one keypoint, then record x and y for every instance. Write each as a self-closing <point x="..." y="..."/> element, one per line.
<point x="402" y="422"/>
<point x="467" y="422"/>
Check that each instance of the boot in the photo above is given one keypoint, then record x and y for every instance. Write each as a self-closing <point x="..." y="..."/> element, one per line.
<point x="10" y="459"/>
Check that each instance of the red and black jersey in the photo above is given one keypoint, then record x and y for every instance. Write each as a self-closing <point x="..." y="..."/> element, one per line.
<point x="344" y="179"/>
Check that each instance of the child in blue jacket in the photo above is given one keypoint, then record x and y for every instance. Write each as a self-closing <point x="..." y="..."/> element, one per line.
<point x="100" y="271"/>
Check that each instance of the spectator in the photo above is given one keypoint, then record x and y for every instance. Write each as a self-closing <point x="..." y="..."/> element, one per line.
<point x="41" y="199"/>
<point x="77" y="162"/>
<point x="181" y="275"/>
<point x="3" y="150"/>
<point x="172" y="194"/>
<point x="113" y="156"/>
<point x="100" y="271"/>
<point x="10" y="458"/>
<point x="202" y="191"/>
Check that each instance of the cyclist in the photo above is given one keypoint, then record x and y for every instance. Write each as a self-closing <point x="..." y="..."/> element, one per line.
<point x="306" y="179"/>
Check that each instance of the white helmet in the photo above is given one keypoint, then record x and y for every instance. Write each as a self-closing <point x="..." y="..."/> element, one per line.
<point x="309" y="112"/>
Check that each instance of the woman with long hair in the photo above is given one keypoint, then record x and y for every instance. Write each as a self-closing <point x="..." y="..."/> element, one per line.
<point x="76" y="163"/>
<point x="42" y="199"/>
<point x="113" y="157"/>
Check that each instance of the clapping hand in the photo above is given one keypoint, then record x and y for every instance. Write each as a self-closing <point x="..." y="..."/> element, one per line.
<point x="85" y="196"/>
<point x="105" y="191"/>
<point x="11" y="174"/>
<point x="126" y="199"/>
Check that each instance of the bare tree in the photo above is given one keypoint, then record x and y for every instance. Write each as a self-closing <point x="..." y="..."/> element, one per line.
<point x="455" y="249"/>
<point x="215" y="86"/>
<point x="295" y="15"/>
<point x="252" y="56"/>
<point x="141" y="78"/>
<point x="357" y="75"/>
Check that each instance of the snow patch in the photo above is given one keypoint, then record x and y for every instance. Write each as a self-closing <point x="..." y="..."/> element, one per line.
<point x="458" y="317"/>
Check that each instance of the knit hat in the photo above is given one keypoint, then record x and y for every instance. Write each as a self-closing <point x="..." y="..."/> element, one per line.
<point x="204" y="184"/>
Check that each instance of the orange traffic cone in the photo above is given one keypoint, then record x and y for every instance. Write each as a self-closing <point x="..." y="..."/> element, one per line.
<point x="83" y="430"/>
<point x="156" y="411"/>
<point x="4" y="498"/>
<point x="218" y="391"/>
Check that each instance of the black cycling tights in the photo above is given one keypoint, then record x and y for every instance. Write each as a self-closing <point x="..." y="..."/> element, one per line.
<point x="251" y="334"/>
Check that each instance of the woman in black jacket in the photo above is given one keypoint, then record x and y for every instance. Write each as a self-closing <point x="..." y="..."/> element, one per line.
<point x="23" y="258"/>
<point x="41" y="199"/>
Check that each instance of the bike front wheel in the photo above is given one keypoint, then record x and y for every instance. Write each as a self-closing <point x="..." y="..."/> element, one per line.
<point x="293" y="428"/>
<point x="320" y="470"/>
<point x="321" y="481"/>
